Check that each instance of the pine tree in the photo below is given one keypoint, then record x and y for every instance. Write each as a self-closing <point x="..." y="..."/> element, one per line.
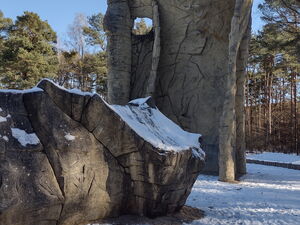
<point x="273" y="69"/>
<point x="94" y="32"/>
<point x="5" y="24"/>
<point x="28" y="52"/>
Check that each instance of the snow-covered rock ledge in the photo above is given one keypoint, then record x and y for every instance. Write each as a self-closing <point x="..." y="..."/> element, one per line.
<point x="73" y="158"/>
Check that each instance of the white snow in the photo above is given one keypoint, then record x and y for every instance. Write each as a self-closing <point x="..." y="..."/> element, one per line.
<point x="37" y="89"/>
<point x="73" y="91"/>
<point x="5" y="138"/>
<point x="69" y="137"/>
<point x="79" y="92"/>
<point x="13" y="91"/>
<point x="1" y="110"/>
<point x="156" y="128"/>
<point x="24" y="138"/>
<point x="266" y="195"/>
<point x="139" y="101"/>
<point x="4" y="119"/>
<point x="276" y="157"/>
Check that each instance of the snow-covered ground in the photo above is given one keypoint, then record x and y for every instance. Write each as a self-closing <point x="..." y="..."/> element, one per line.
<point x="276" y="157"/>
<point x="266" y="195"/>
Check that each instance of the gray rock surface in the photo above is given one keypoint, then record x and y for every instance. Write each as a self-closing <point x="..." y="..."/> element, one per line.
<point x="69" y="158"/>
<point x="193" y="63"/>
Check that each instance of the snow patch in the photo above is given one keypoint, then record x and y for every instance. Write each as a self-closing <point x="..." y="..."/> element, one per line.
<point x="79" y="92"/>
<point x="24" y="138"/>
<point x="70" y="137"/>
<point x="1" y="110"/>
<point x="72" y="91"/>
<point x="266" y="195"/>
<point x="5" y="138"/>
<point x="156" y="128"/>
<point x="13" y="91"/>
<point x="276" y="157"/>
<point x="139" y="101"/>
<point x="4" y="119"/>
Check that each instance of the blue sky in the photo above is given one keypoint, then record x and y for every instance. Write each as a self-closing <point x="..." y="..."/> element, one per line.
<point x="60" y="13"/>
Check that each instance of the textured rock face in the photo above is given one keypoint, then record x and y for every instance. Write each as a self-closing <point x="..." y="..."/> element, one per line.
<point x="70" y="158"/>
<point x="141" y="63"/>
<point x="192" y="68"/>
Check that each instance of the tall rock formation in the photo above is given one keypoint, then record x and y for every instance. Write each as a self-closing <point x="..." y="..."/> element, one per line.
<point x="190" y="43"/>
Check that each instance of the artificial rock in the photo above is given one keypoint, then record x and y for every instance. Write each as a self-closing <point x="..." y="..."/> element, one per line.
<point x="70" y="158"/>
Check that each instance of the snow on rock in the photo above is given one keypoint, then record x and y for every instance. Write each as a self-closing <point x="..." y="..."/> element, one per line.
<point x="13" y="91"/>
<point x="70" y="137"/>
<point x="139" y="101"/>
<point x="156" y="128"/>
<point x="150" y="124"/>
<point x="4" y="119"/>
<point x="5" y="138"/>
<point x="24" y="138"/>
<point x="276" y="157"/>
<point x="73" y="91"/>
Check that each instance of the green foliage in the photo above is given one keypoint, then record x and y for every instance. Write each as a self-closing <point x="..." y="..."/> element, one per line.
<point x="283" y="21"/>
<point x="273" y="72"/>
<point x="86" y="73"/>
<point x="94" y="32"/>
<point x="5" y="24"/>
<point x="95" y="66"/>
<point x="84" y="65"/>
<point x="28" y="52"/>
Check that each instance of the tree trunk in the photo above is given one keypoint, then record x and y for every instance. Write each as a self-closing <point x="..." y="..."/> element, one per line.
<point x="270" y="98"/>
<point x="295" y="114"/>
<point x="292" y="112"/>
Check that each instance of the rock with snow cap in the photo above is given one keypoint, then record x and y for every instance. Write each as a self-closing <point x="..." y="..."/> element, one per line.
<point x="90" y="160"/>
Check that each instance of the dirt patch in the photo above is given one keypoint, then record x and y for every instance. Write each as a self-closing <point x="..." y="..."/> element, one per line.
<point x="186" y="215"/>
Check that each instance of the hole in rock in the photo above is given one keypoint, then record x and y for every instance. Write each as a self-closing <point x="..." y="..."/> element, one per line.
<point x="142" y="26"/>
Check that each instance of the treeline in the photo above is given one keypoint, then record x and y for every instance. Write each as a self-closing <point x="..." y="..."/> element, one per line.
<point x="30" y="51"/>
<point x="272" y="109"/>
